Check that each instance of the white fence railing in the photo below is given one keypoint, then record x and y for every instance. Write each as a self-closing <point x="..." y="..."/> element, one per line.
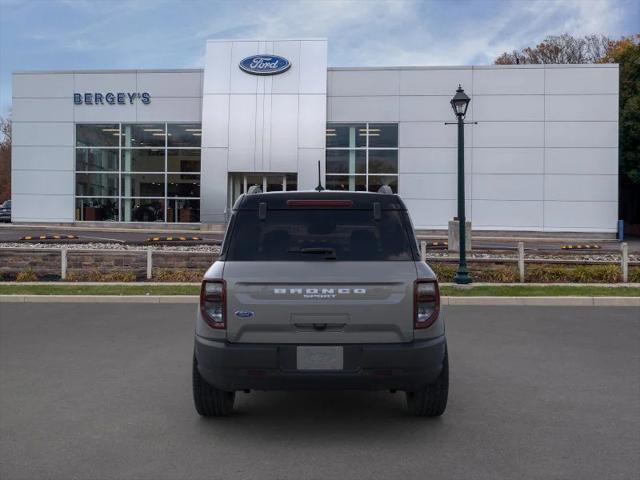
<point x="522" y="260"/>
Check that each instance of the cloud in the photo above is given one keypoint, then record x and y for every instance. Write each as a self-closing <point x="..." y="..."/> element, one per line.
<point x="405" y="32"/>
<point x="85" y="34"/>
<point x="509" y="25"/>
<point x="591" y="17"/>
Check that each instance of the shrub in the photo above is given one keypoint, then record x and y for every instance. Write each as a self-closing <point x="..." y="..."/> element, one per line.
<point x="480" y="272"/>
<point x="176" y="275"/>
<point x="73" y="277"/>
<point x="27" y="276"/>
<point x="634" y="274"/>
<point x="494" y="273"/>
<point x="94" y="276"/>
<point x="98" y="276"/>
<point x="537" y="273"/>
<point x="573" y="273"/>
<point x="444" y="271"/>
<point x="121" y="276"/>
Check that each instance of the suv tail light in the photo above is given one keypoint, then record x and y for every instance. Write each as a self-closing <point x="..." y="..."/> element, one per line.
<point x="426" y="303"/>
<point x="213" y="303"/>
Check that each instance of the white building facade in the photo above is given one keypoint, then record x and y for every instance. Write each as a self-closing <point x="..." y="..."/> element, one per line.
<point x="179" y="146"/>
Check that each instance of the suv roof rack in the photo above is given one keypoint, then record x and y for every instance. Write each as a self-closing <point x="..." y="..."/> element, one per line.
<point x="278" y="200"/>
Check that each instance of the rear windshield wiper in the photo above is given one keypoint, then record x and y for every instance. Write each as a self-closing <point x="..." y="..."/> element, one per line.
<point x="330" y="253"/>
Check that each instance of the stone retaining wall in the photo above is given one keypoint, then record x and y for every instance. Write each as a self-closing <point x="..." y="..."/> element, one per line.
<point x="78" y="262"/>
<point x="46" y="264"/>
<point x="181" y="260"/>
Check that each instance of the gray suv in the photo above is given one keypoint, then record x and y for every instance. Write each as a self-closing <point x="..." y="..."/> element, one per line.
<point x="320" y="290"/>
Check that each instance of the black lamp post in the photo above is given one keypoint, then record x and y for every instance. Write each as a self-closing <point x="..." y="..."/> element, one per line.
<point x="459" y="103"/>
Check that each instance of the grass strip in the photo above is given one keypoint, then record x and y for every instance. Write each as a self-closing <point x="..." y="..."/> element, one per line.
<point x="484" y="290"/>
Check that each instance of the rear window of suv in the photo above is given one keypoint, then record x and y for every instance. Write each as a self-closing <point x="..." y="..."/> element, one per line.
<point x="309" y="235"/>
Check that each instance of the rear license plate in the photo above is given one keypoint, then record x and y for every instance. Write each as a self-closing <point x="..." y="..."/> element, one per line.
<point x="319" y="358"/>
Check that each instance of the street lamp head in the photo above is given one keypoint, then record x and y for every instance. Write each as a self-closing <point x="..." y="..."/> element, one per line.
<point x="460" y="102"/>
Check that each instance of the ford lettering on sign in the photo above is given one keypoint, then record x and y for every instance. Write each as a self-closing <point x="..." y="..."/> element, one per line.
<point x="265" y="64"/>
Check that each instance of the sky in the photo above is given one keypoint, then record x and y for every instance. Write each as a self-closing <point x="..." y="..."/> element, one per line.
<point x="111" y="34"/>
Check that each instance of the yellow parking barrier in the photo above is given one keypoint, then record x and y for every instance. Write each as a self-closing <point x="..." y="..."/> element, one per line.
<point x="581" y="247"/>
<point x="437" y="244"/>
<point x="173" y="239"/>
<point x="48" y="237"/>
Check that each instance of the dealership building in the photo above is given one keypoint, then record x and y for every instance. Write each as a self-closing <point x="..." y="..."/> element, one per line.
<point x="179" y="146"/>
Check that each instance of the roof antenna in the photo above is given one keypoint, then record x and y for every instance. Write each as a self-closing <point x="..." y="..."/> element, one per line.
<point x="319" y="188"/>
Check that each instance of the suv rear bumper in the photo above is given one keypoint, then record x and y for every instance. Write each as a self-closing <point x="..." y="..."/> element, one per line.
<point x="400" y="366"/>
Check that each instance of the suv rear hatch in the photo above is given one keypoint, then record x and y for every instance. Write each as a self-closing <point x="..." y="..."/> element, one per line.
<point x="320" y="271"/>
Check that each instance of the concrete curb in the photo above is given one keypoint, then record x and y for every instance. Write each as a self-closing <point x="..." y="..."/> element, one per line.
<point x="99" y="299"/>
<point x="453" y="301"/>
<point x="520" y="301"/>
<point x="544" y="301"/>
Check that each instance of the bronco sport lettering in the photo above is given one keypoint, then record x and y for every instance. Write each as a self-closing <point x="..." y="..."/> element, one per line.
<point x="319" y="292"/>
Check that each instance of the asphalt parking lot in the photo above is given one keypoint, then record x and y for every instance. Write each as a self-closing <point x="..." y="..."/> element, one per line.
<point x="104" y="391"/>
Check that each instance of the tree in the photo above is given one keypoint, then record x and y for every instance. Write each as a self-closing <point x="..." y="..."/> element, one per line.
<point x="5" y="159"/>
<point x="600" y="49"/>
<point x="626" y="53"/>
<point x="560" y="49"/>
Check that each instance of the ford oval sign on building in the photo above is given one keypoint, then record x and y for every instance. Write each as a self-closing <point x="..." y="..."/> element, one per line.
<point x="265" y="64"/>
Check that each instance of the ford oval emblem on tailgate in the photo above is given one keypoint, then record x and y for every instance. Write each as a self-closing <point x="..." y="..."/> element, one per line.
<point x="244" y="313"/>
<point x="265" y="64"/>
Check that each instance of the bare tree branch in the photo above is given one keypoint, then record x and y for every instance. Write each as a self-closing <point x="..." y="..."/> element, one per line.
<point x="563" y="48"/>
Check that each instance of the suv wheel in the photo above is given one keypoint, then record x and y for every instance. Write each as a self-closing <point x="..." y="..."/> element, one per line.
<point x="210" y="401"/>
<point x="432" y="400"/>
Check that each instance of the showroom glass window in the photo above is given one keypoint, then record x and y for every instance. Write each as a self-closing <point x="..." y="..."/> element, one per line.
<point x="362" y="156"/>
<point x="143" y="172"/>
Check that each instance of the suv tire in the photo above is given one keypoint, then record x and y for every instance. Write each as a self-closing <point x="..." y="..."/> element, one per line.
<point x="432" y="400"/>
<point x="210" y="401"/>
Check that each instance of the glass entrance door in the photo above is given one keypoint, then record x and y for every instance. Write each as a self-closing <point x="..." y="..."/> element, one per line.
<point x="239" y="183"/>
